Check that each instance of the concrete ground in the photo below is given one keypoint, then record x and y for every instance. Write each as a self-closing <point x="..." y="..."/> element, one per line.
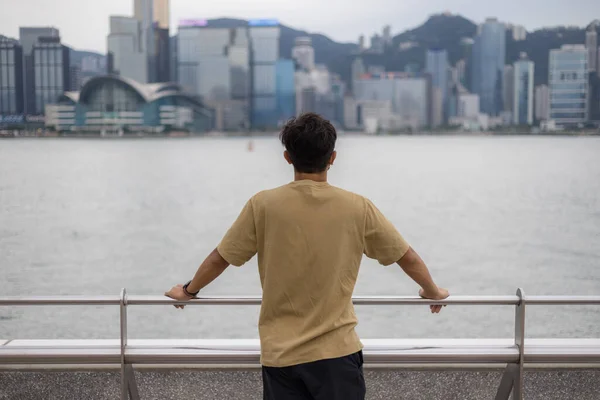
<point x="580" y="384"/>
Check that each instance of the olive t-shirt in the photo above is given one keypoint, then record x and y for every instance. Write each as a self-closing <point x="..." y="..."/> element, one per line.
<point x="310" y="238"/>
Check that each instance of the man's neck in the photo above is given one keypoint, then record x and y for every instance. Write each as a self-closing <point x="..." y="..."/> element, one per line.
<point x="317" y="177"/>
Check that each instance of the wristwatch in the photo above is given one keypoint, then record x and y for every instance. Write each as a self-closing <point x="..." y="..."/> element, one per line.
<point x="188" y="293"/>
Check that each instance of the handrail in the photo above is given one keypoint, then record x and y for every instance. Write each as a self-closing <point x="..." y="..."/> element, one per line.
<point x="256" y="300"/>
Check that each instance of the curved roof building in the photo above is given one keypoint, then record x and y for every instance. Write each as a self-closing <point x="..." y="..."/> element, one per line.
<point x="113" y="103"/>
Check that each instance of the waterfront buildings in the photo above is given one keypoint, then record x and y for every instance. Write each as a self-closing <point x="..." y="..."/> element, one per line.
<point x="569" y="87"/>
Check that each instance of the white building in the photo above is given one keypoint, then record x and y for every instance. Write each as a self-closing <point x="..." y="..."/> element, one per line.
<point x="519" y="33"/>
<point x="569" y="86"/>
<point x="304" y="53"/>
<point x="468" y="105"/>
<point x="126" y="55"/>
<point x="542" y="102"/>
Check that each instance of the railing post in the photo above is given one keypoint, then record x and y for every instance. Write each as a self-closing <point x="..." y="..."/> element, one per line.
<point x="123" y="335"/>
<point x="520" y="342"/>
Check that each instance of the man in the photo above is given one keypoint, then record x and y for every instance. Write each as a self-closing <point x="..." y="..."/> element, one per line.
<point x="310" y="238"/>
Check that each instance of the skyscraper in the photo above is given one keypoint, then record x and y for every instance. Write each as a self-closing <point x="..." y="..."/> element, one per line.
<point x="489" y="55"/>
<point x="11" y="77"/>
<point x="125" y="53"/>
<point x="591" y="43"/>
<point x="51" y="71"/>
<point x="568" y="81"/>
<point x="303" y="52"/>
<point x="436" y="64"/>
<point x="28" y="37"/>
<point x="286" y="91"/>
<point x="523" y="92"/>
<point x="264" y="35"/>
<point x="143" y="11"/>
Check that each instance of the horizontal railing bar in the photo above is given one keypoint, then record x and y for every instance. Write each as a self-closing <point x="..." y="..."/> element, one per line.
<point x="247" y="300"/>
<point x="562" y="300"/>
<point x="59" y="300"/>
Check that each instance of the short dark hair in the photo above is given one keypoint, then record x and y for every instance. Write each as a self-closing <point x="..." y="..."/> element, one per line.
<point x="310" y="141"/>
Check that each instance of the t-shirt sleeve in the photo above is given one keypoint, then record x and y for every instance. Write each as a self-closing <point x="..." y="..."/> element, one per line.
<point x="383" y="242"/>
<point x="239" y="244"/>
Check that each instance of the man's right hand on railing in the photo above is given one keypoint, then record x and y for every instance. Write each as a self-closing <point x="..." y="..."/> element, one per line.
<point x="440" y="294"/>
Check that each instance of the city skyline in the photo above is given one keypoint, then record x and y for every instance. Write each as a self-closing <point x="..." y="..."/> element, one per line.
<point x="533" y="14"/>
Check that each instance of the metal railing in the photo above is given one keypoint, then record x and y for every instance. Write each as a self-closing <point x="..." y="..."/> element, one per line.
<point x="512" y="379"/>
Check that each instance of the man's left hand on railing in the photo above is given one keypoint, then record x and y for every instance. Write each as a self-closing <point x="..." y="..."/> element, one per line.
<point x="177" y="293"/>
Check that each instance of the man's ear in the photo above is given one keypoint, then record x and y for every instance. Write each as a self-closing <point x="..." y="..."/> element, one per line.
<point x="332" y="158"/>
<point x="287" y="157"/>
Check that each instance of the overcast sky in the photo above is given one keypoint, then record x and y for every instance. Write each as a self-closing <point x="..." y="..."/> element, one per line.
<point x="83" y="24"/>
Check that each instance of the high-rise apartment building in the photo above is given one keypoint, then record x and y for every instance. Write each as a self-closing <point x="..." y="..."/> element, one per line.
<point x="568" y="81"/>
<point x="409" y="96"/>
<point x="523" y="92"/>
<point x="51" y="71"/>
<point x="126" y="55"/>
<point x="489" y="55"/>
<point x="264" y="35"/>
<point x="542" y="102"/>
<point x="28" y="37"/>
<point x="591" y="43"/>
<point x="303" y="53"/>
<point x="508" y="88"/>
<point x="11" y="77"/>
<point x="436" y="64"/>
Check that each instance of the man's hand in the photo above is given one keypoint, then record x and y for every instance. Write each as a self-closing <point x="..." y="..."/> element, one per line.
<point x="440" y="294"/>
<point x="177" y="293"/>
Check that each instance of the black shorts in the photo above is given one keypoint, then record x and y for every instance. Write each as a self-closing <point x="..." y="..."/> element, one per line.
<point x="332" y="379"/>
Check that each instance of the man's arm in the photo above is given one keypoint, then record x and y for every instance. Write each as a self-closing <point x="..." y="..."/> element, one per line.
<point x="209" y="270"/>
<point x="414" y="267"/>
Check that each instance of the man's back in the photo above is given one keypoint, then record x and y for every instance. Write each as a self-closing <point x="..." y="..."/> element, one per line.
<point x="310" y="238"/>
